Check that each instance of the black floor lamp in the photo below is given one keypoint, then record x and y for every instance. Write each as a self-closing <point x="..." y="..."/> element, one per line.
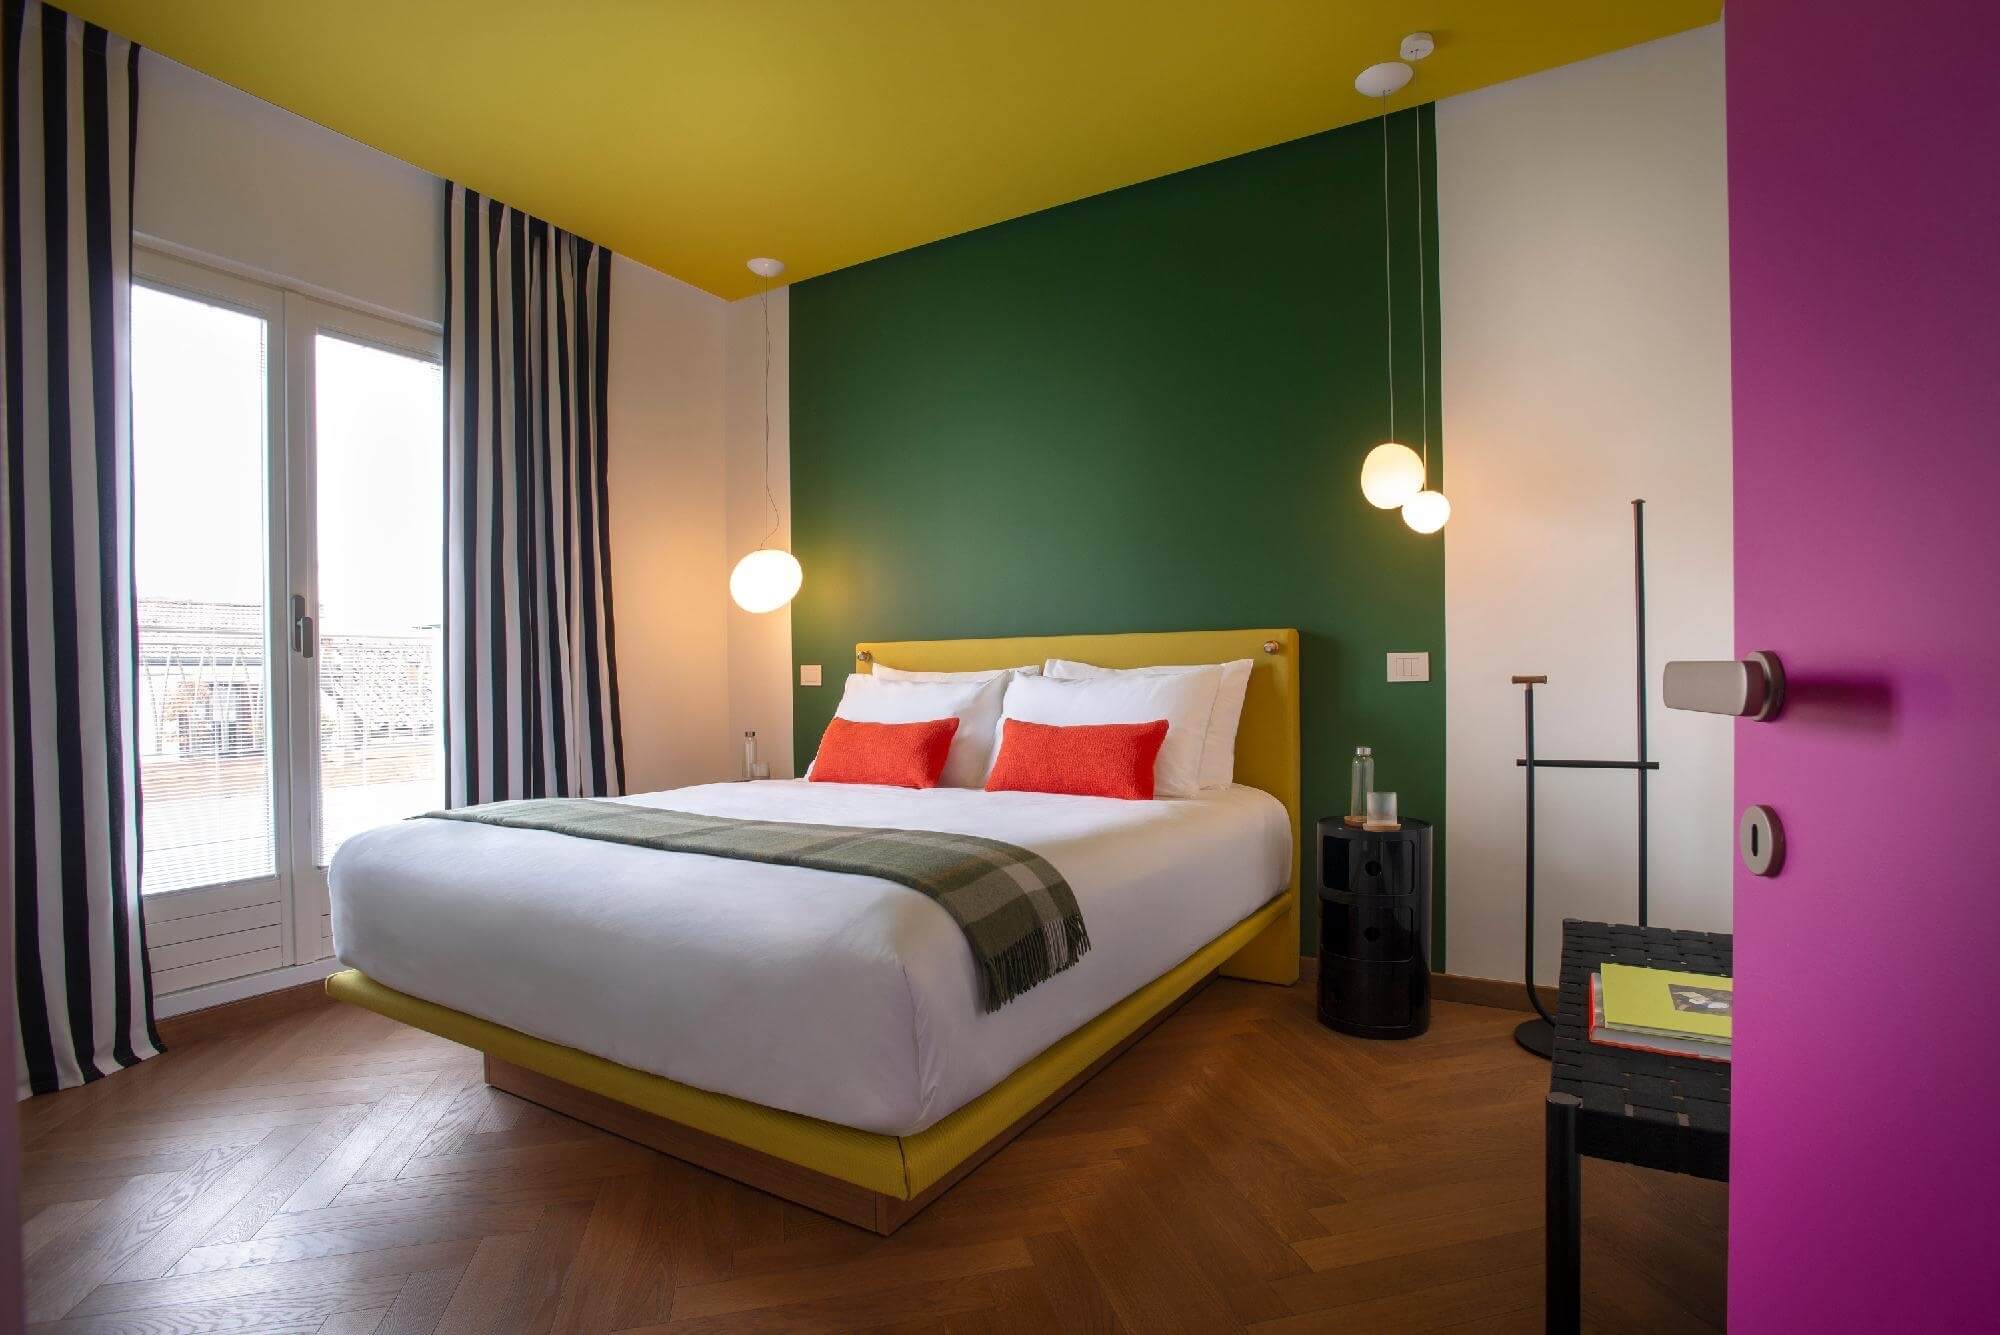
<point x="1538" y="1035"/>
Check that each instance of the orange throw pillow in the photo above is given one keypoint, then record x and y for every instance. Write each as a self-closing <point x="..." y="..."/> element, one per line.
<point x="900" y="755"/>
<point x="1086" y="760"/>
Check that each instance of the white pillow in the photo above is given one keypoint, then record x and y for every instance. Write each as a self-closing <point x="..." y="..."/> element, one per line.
<point x="1184" y="699"/>
<point x="1218" y="752"/>
<point x="883" y="672"/>
<point x="975" y="704"/>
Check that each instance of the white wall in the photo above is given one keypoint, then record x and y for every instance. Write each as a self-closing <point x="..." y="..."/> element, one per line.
<point x="760" y="646"/>
<point x="1583" y="244"/>
<point x="224" y="175"/>
<point x="668" y="529"/>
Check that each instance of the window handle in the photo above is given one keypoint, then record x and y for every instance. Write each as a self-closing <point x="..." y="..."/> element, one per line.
<point x="302" y="627"/>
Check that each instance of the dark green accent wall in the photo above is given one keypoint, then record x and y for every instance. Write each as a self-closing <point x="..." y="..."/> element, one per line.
<point x="1146" y="410"/>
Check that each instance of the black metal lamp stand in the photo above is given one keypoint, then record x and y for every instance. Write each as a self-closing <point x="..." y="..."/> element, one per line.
<point x="1538" y="1035"/>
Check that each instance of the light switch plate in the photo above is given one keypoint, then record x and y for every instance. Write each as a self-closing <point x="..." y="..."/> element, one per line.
<point x="809" y="674"/>
<point x="1410" y="667"/>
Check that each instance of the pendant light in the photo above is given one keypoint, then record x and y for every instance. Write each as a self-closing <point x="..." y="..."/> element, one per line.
<point x="1394" y="476"/>
<point x="1392" y="472"/>
<point x="1427" y="511"/>
<point x="769" y="577"/>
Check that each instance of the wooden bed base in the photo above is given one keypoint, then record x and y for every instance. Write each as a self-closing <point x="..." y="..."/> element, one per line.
<point x="829" y="1195"/>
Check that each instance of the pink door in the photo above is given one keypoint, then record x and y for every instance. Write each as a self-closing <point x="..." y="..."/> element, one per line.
<point x="1864" y="184"/>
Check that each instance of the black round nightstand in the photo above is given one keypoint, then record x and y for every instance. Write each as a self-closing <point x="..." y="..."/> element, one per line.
<point x="1375" y="929"/>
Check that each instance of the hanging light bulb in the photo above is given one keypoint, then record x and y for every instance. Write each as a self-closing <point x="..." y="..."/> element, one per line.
<point x="769" y="577"/>
<point x="1427" y="511"/>
<point x="766" y="580"/>
<point x="1390" y="475"/>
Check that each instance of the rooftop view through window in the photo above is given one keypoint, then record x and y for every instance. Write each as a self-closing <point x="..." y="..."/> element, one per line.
<point x="211" y="589"/>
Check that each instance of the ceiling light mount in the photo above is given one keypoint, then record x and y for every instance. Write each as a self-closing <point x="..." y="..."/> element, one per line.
<point x="765" y="268"/>
<point x="1416" y="46"/>
<point x="1389" y="77"/>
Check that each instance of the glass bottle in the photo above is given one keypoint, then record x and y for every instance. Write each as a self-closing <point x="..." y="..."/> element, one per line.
<point x="1361" y="782"/>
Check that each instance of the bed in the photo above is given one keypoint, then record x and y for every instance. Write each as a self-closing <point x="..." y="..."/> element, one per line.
<point x="818" y="1034"/>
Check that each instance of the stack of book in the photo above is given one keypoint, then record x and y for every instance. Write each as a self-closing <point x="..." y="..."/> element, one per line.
<point x="1657" y="1010"/>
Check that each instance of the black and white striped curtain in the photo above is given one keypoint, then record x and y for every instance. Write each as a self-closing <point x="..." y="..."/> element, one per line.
<point x="531" y="677"/>
<point x="69" y="777"/>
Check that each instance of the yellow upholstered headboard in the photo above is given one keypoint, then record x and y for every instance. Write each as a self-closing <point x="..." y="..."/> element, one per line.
<point x="1267" y="740"/>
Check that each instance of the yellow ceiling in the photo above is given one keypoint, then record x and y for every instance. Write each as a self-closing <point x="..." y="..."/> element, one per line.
<point x="693" y="134"/>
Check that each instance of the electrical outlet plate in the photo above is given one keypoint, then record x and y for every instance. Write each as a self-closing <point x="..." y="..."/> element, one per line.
<point x="809" y="674"/>
<point x="1410" y="667"/>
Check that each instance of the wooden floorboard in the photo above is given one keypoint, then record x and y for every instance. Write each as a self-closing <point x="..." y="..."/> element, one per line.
<point x="326" y="1170"/>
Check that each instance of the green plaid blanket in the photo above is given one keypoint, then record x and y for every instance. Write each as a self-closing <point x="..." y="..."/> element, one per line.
<point x="1018" y="914"/>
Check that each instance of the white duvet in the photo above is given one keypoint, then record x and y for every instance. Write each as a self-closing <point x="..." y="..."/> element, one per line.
<point x="846" y="998"/>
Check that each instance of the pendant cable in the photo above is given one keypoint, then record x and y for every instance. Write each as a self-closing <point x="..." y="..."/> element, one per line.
<point x="1388" y="288"/>
<point x="769" y="499"/>
<point x="1423" y="302"/>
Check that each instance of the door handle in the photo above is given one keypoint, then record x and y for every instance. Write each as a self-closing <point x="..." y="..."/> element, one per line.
<point x="302" y="628"/>
<point x="1752" y="688"/>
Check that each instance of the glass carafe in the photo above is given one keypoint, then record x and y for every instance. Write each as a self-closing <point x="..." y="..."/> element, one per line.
<point x="1361" y="782"/>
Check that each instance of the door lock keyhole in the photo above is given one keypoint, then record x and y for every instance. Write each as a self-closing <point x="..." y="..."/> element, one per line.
<point x="1760" y="838"/>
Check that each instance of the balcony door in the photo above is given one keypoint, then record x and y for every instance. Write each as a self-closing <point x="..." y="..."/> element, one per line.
<point x="288" y="510"/>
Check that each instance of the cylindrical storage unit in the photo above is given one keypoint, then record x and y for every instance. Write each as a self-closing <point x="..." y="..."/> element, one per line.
<point x="1375" y="929"/>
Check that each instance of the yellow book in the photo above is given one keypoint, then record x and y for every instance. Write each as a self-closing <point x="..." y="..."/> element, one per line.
<point x="1659" y="1001"/>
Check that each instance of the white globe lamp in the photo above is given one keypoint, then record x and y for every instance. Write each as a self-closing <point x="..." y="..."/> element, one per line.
<point x="1390" y="475"/>
<point x="1427" y="511"/>
<point x="765" y="580"/>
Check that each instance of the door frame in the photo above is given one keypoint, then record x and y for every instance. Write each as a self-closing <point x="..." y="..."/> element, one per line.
<point x="171" y="273"/>
<point x="294" y="315"/>
<point x="307" y="317"/>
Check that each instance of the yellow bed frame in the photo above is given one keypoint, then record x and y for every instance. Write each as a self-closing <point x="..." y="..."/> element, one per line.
<point x="879" y="1181"/>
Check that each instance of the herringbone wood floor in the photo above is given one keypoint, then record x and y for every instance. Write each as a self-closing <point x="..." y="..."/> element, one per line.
<point x="333" y="1172"/>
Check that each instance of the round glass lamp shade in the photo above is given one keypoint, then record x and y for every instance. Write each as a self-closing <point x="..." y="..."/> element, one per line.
<point x="1390" y="475"/>
<point x="1426" y="511"/>
<point x="765" y="580"/>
